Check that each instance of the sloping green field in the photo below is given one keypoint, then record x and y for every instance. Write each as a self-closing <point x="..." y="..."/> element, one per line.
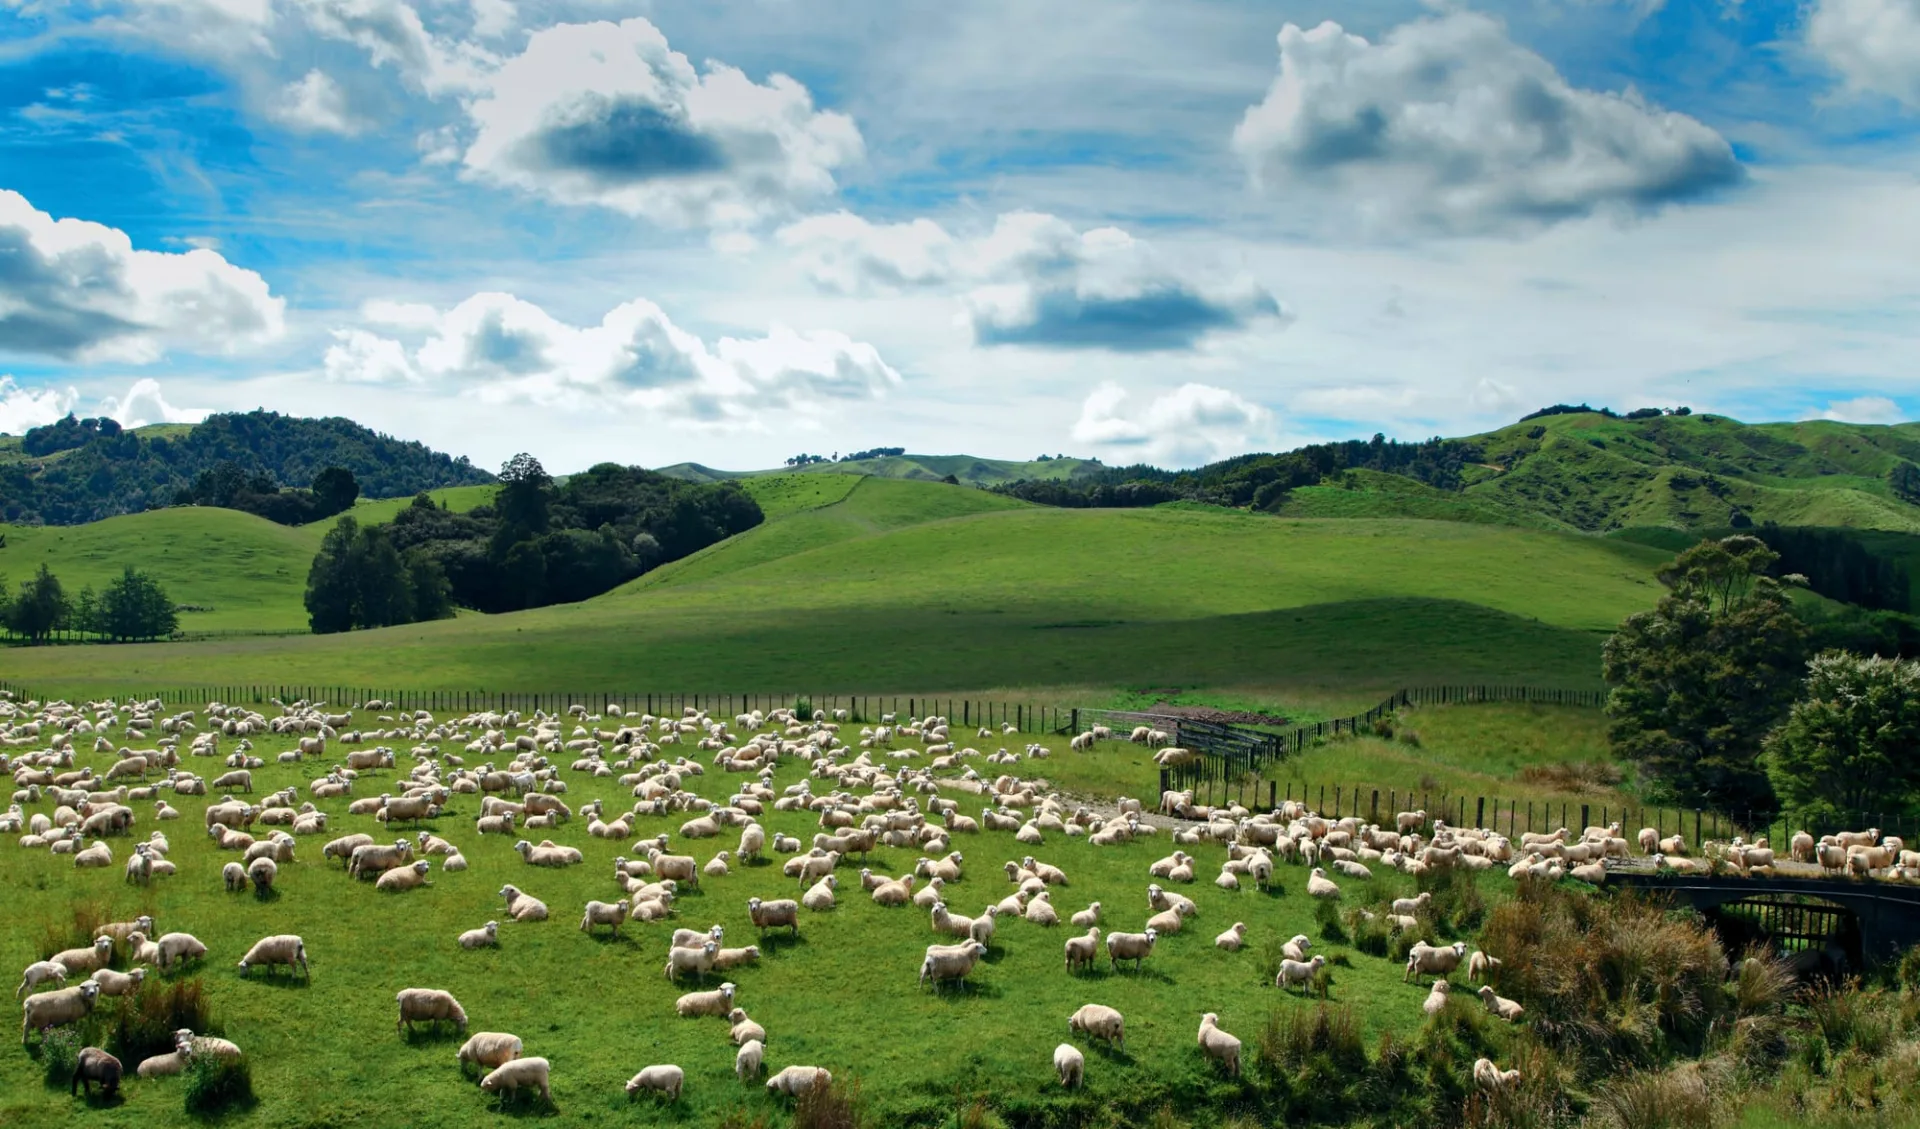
<point x="906" y="586"/>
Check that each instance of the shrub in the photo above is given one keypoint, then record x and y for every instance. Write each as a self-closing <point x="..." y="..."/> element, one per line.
<point x="1327" y="916"/>
<point x="1675" y="1099"/>
<point x="1850" y="1018"/>
<point x="58" y="1052"/>
<point x="215" y="1085"/>
<point x="802" y="709"/>
<point x="1295" y="1038"/>
<point x="836" y="1106"/>
<point x="1370" y="936"/>
<point x="146" y="1021"/>
<point x="1457" y="907"/>
<point x="1576" y="777"/>
<point x="76" y="931"/>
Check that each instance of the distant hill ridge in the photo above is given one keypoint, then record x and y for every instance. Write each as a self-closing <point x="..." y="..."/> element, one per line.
<point x="967" y="470"/>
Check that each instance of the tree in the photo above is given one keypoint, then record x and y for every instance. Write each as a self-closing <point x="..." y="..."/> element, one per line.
<point x="135" y="607"/>
<point x="41" y="608"/>
<point x="86" y="612"/>
<point x="1852" y="741"/>
<point x="357" y="580"/>
<point x="428" y="589"/>
<point x="331" y="595"/>
<point x="522" y="500"/>
<point x="1700" y="680"/>
<point x="334" y="490"/>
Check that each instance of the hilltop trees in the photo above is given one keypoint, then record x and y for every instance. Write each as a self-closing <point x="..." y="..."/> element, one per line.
<point x="227" y="486"/>
<point x="1852" y="741"/>
<point x="1699" y="681"/>
<point x="359" y="579"/>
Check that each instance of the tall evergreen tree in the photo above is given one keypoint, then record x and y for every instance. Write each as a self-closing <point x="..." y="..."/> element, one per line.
<point x="136" y="607"/>
<point x="331" y="583"/>
<point x="41" y="608"/>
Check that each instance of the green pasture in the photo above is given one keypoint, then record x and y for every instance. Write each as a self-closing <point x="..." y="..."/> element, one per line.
<point x="843" y="995"/>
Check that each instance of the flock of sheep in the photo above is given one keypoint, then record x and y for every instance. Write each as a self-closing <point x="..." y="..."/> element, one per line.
<point x="895" y="787"/>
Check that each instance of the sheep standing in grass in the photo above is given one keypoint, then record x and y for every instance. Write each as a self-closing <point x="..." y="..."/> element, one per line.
<point x="1427" y="960"/>
<point x="793" y="1081"/>
<point x="508" y="1078"/>
<point x="664" y="1079"/>
<point x="523" y="907"/>
<point x="38" y="973"/>
<point x="1491" y="1079"/>
<point x="697" y="960"/>
<point x="1298" y="972"/>
<point x="1070" y="1065"/>
<point x="1084" y="949"/>
<point x="1436" y="1000"/>
<point x="95" y="1065"/>
<point x="263" y="872"/>
<point x="1480" y="967"/>
<point x="950" y="962"/>
<point x="1220" y="1045"/>
<point x="486" y="936"/>
<point x="1098" y="1021"/>
<point x="281" y="948"/>
<point x="1135" y="947"/>
<point x="772" y="915"/>
<point x="79" y="962"/>
<point x="488" y="1049"/>
<point x="57" y="1008"/>
<point x="610" y="914"/>
<point x="747" y="1062"/>
<point x="428" y="1005"/>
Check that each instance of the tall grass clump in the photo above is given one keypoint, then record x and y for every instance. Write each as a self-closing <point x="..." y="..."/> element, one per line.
<point x="59" y="1050"/>
<point x="1680" y="1098"/>
<point x="1612" y="980"/>
<point x="76" y="930"/>
<point x="215" y="1085"/>
<point x="145" y="1022"/>
<point x="835" y="1106"/>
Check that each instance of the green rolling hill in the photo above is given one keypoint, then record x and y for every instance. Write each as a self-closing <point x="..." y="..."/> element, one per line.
<point x="967" y="469"/>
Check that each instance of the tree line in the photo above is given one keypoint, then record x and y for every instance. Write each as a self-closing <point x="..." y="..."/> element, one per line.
<point x="537" y="543"/>
<point x="132" y="607"/>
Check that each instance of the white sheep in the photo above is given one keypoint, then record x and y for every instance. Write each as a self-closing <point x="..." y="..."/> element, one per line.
<point x="744" y="1028"/>
<point x="1084" y="949"/>
<point x="488" y="1049"/>
<point x="1218" y="1044"/>
<point x="772" y="915"/>
<point x="278" y="949"/>
<point x="41" y="972"/>
<point x="523" y="907"/>
<point x="728" y="959"/>
<point x="793" y="1081"/>
<point x="1436" y="1000"/>
<point x="78" y="962"/>
<point x="605" y="913"/>
<point x="1070" y="1065"/>
<point x="1480" y="967"/>
<point x="718" y="1002"/>
<point x="950" y="962"/>
<point x="403" y="877"/>
<point x="1319" y="886"/>
<point x="1296" y="947"/>
<point x="1135" y="947"/>
<point x="509" y="1077"/>
<point x="1500" y="1005"/>
<point x="57" y="1008"/>
<point x="664" y="1078"/>
<point x="1427" y="960"/>
<point x="486" y="935"/>
<point x="1086" y="917"/>
<point x="1098" y="1021"/>
<point x="1491" y="1079"/>
<point x="819" y="897"/>
<point x="1233" y="938"/>
<point x="428" y="1005"/>
<point x="747" y="1061"/>
<point x="1298" y="972"/>
<point x="697" y="960"/>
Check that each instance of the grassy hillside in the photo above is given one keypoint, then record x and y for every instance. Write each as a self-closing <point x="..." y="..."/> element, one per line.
<point x="373" y="511"/>
<point x="916" y="586"/>
<point x="968" y="469"/>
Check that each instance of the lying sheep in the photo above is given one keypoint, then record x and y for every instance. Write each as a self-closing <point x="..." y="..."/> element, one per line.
<point x="546" y="854"/>
<point x="488" y="1049"/>
<point x="744" y="1029"/>
<point x="1436" y="1000"/>
<point x="1098" y="1021"/>
<point x="727" y="959"/>
<point x="819" y="897"/>
<point x="1233" y="938"/>
<point x="483" y="937"/>
<point x="523" y="907"/>
<point x="719" y="1002"/>
<point x="163" y="1066"/>
<point x="1070" y="1065"/>
<point x="793" y="1081"/>
<point x="428" y="1005"/>
<point x="665" y="1079"/>
<point x="95" y="1065"/>
<point x="405" y="877"/>
<point x="1220" y="1045"/>
<point x="509" y="1077"/>
<point x="1501" y="1006"/>
<point x="281" y="948"/>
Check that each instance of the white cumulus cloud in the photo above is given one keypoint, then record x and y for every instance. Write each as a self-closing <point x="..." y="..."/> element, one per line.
<point x="316" y="104"/>
<point x="80" y="291"/>
<point x="609" y="114"/>
<point x="1874" y="44"/>
<point x="1448" y="124"/>
<point x="1863" y="409"/>
<point x="1189" y="426"/>
<point x="393" y="35"/>
<point x="143" y="404"/>
<point x="512" y="350"/>
<point x="23" y="408"/>
<point x="1034" y="280"/>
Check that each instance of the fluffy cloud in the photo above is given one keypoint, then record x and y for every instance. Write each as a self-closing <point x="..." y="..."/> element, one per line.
<point x="23" y="408"/>
<point x="1192" y="425"/>
<point x="609" y="114"/>
<point x="80" y="291"/>
<point x="636" y="357"/>
<point x="392" y="35"/>
<point x="1874" y="44"/>
<point x="143" y="404"/>
<point x="316" y="104"/>
<point x="1033" y="280"/>
<point x="1863" y="409"/>
<point x="1448" y="124"/>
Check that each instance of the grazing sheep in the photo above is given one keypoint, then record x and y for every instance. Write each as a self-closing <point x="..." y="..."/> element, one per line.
<point x="508" y="1077"/>
<point x="1084" y="949"/>
<point x="794" y="1081"/>
<point x="718" y="1002"/>
<point x="281" y="948"/>
<point x="605" y="913"/>
<point x="1480" y="967"/>
<point x="1298" y="972"/>
<point x="57" y="1008"/>
<point x="1426" y="960"/>
<point x="950" y="962"/>
<point x="1501" y="1006"/>
<point x="1098" y="1021"/>
<point x="488" y="1049"/>
<point x="772" y="915"/>
<point x="79" y="962"/>
<point x="264" y="872"/>
<point x="1491" y="1079"/>
<point x="483" y="937"/>
<point x="405" y="877"/>
<point x="1135" y="947"/>
<point x="665" y="1079"/>
<point x="744" y="1029"/>
<point x="235" y="877"/>
<point x="428" y="1005"/>
<point x="747" y="1061"/>
<point x="1218" y="1044"/>
<point x="95" y="1065"/>
<point x="1436" y="1000"/>
<point x="1070" y="1065"/>
<point x="1233" y="938"/>
<point x="523" y="907"/>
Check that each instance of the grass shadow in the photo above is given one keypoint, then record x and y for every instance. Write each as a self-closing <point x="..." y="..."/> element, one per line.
<point x="772" y="942"/>
<point x="268" y="895"/>
<point x="431" y="1033"/>
<point x="288" y="979"/>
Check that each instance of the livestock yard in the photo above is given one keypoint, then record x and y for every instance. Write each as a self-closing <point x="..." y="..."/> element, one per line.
<point x="744" y="801"/>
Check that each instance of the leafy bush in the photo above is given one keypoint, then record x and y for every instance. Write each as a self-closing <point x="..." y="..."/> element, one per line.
<point x="1458" y="907"/>
<point x="215" y="1085"/>
<point x="1674" y="1099"/>
<point x="803" y="709"/>
<point x="1326" y="915"/>
<point x="144" y="1023"/>
<point x="58" y="1052"/>
<point x="1370" y="936"/>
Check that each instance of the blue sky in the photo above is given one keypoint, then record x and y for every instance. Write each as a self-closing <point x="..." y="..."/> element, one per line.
<point x="733" y="231"/>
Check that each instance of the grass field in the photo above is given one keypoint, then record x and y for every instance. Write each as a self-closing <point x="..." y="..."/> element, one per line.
<point x="842" y="996"/>
<point x="907" y="586"/>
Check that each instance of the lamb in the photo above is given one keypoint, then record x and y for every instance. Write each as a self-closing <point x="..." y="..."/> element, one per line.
<point x="605" y="913"/>
<point x="950" y="962"/>
<point x="523" y="907"/>
<point x="1070" y="1065"/>
<point x="1098" y="1021"/>
<point x="819" y="897"/>
<point x="1220" y="1045"/>
<point x="1086" y="917"/>
<point x="697" y="960"/>
<point x="747" y="1061"/>
<point x="510" y="1076"/>
<point x="1480" y="966"/>
<point x="665" y="1079"/>
<point x="38" y="973"/>
<point x="1491" y="1079"/>
<point x="95" y="1065"/>
<point x="57" y="1008"/>
<point x="1413" y="907"/>
<point x="772" y="915"/>
<point x="488" y="1049"/>
<point x="1298" y="972"/>
<point x="161" y="1066"/>
<point x="1319" y="886"/>
<point x="718" y="1002"/>
<point x="744" y="1029"/>
<point x="1500" y="1005"/>
<point x="1427" y="960"/>
<point x="1083" y="950"/>
<point x="483" y="937"/>
<point x="281" y="948"/>
<point x="79" y="962"/>
<point x="1135" y="947"/>
<point x="428" y="1005"/>
<point x="403" y="877"/>
<point x="1233" y="938"/>
<point x="794" y="1081"/>
<point x="727" y="959"/>
<point x="1436" y="1000"/>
